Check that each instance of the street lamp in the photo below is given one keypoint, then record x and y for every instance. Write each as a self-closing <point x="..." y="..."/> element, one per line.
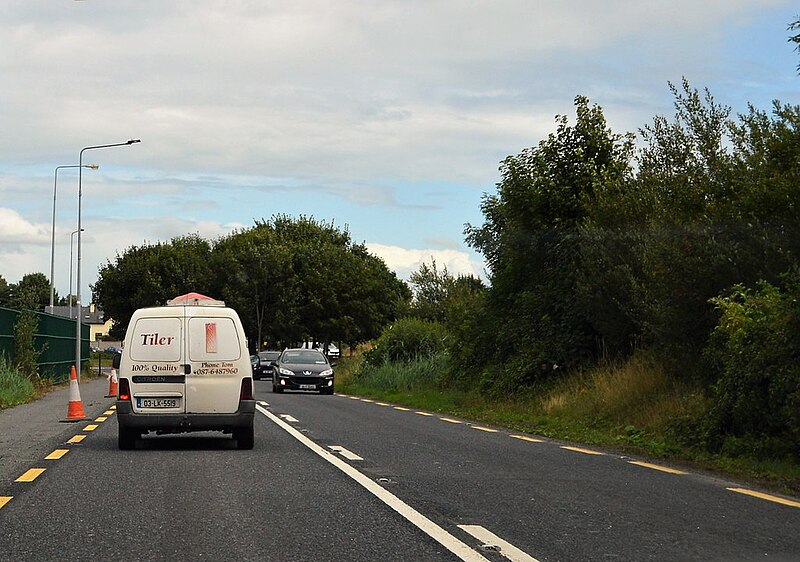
<point x="70" y="271"/>
<point x="78" y="268"/>
<point x="53" y="229"/>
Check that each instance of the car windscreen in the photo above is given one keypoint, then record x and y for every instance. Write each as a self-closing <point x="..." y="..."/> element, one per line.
<point x="269" y="355"/>
<point x="304" y="357"/>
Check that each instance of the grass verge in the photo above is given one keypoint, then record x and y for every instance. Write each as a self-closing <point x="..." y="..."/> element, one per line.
<point x="15" y="388"/>
<point x="632" y="408"/>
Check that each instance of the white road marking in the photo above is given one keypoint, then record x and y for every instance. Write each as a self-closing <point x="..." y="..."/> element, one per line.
<point x="262" y="403"/>
<point x="507" y="549"/>
<point x="289" y="418"/>
<point x="349" y="455"/>
<point x="451" y="543"/>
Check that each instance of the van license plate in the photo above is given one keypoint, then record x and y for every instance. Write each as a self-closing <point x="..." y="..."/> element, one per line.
<point x="156" y="402"/>
<point x="308" y="386"/>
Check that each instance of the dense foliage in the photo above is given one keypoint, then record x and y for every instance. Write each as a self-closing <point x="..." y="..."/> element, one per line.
<point x="408" y="339"/>
<point x="755" y="346"/>
<point x="289" y="279"/>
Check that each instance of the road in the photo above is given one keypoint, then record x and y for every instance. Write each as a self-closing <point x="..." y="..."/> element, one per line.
<point x="341" y="478"/>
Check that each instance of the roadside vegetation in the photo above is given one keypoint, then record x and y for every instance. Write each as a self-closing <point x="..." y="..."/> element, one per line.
<point x="15" y="388"/>
<point x="643" y="294"/>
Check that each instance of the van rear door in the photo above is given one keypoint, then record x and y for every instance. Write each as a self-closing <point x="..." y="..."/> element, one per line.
<point x="214" y="352"/>
<point x="155" y="350"/>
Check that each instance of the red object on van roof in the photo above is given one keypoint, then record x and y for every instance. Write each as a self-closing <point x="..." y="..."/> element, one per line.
<point x="194" y="299"/>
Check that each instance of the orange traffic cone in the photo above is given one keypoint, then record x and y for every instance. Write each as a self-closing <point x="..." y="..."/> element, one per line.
<point x="75" y="408"/>
<point x="112" y="384"/>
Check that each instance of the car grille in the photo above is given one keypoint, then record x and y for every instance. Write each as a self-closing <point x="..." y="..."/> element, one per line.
<point x="307" y="380"/>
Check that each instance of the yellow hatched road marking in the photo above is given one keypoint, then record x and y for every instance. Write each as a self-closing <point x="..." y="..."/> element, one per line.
<point x="584" y="451"/>
<point x="5" y="499"/>
<point x="114" y="407"/>
<point x="402" y="409"/>
<point x="108" y="413"/>
<point x="30" y="475"/>
<point x="76" y="439"/>
<point x="658" y="467"/>
<point x="767" y="497"/>
<point x="424" y="414"/>
<point x="526" y="438"/>
<point x="91" y="427"/>
<point x="57" y="454"/>
<point x="100" y="418"/>
<point x="450" y="420"/>
<point x="486" y="429"/>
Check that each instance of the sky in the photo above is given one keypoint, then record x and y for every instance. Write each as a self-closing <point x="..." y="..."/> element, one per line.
<point x="388" y="118"/>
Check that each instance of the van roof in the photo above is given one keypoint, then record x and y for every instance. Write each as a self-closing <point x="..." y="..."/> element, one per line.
<point x="194" y="299"/>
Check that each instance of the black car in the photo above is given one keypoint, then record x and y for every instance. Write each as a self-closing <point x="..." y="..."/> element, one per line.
<point x="302" y="369"/>
<point x="262" y="368"/>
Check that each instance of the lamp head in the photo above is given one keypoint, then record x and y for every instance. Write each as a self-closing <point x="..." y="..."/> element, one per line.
<point x="133" y="141"/>
<point x="92" y="166"/>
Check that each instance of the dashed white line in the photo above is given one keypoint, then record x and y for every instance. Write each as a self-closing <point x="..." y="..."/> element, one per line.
<point x="349" y="455"/>
<point x="451" y="543"/>
<point x="507" y="549"/>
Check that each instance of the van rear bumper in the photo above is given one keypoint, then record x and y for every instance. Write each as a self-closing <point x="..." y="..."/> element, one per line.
<point x="180" y="423"/>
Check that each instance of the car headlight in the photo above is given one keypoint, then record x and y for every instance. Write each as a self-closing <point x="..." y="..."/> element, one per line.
<point x="326" y="373"/>
<point x="286" y="372"/>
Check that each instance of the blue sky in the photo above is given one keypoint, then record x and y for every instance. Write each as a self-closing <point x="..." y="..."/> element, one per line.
<point x="390" y="117"/>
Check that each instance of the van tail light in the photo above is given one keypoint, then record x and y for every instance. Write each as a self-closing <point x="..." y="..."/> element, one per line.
<point x="124" y="390"/>
<point x="247" y="389"/>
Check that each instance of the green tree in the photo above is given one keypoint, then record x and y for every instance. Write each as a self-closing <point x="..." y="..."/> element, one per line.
<point x="431" y="287"/>
<point x="31" y="293"/>
<point x="795" y="26"/>
<point x="5" y="292"/>
<point x="149" y="275"/>
<point x="298" y="279"/>
<point x="534" y="324"/>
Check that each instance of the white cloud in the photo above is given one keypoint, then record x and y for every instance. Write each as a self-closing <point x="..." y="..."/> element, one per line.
<point x="405" y="261"/>
<point x="14" y="229"/>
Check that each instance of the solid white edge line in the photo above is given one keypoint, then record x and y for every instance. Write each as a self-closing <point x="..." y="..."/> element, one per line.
<point x="507" y="549"/>
<point x="451" y="543"/>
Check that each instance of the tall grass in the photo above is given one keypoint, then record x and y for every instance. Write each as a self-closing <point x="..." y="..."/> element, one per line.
<point x="423" y="373"/>
<point x="638" y="392"/>
<point x="15" y="388"/>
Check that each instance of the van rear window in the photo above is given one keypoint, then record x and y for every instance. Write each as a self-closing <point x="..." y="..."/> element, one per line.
<point x="213" y="339"/>
<point x="156" y="339"/>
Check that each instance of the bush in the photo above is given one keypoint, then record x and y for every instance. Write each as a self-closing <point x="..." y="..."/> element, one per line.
<point x="756" y="351"/>
<point x="406" y="340"/>
<point x="26" y="355"/>
<point x="15" y="388"/>
<point x="422" y="373"/>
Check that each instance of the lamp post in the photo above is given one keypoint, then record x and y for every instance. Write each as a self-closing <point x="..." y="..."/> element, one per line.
<point x="70" y="271"/>
<point x="53" y="229"/>
<point x="78" y="268"/>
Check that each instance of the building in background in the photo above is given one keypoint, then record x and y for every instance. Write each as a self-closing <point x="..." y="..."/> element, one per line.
<point x="90" y="315"/>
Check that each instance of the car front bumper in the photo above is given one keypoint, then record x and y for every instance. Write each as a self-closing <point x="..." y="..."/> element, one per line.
<point x="304" y="383"/>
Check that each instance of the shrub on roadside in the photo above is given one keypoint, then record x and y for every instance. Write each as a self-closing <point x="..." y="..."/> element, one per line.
<point x="756" y="351"/>
<point x="406" y="340"/>
<point x="422" y="373"/>
<point x="15" y="388"/>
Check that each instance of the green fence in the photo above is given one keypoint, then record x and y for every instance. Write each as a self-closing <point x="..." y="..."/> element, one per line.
<point x="55" y="337"/>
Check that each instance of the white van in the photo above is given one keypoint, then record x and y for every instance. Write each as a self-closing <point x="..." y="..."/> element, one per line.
<point x="185" y="367"/>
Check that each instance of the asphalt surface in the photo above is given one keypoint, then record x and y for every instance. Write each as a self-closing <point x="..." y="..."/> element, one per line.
<point x="29" y="429"/>
<point x="301" y="495"/>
